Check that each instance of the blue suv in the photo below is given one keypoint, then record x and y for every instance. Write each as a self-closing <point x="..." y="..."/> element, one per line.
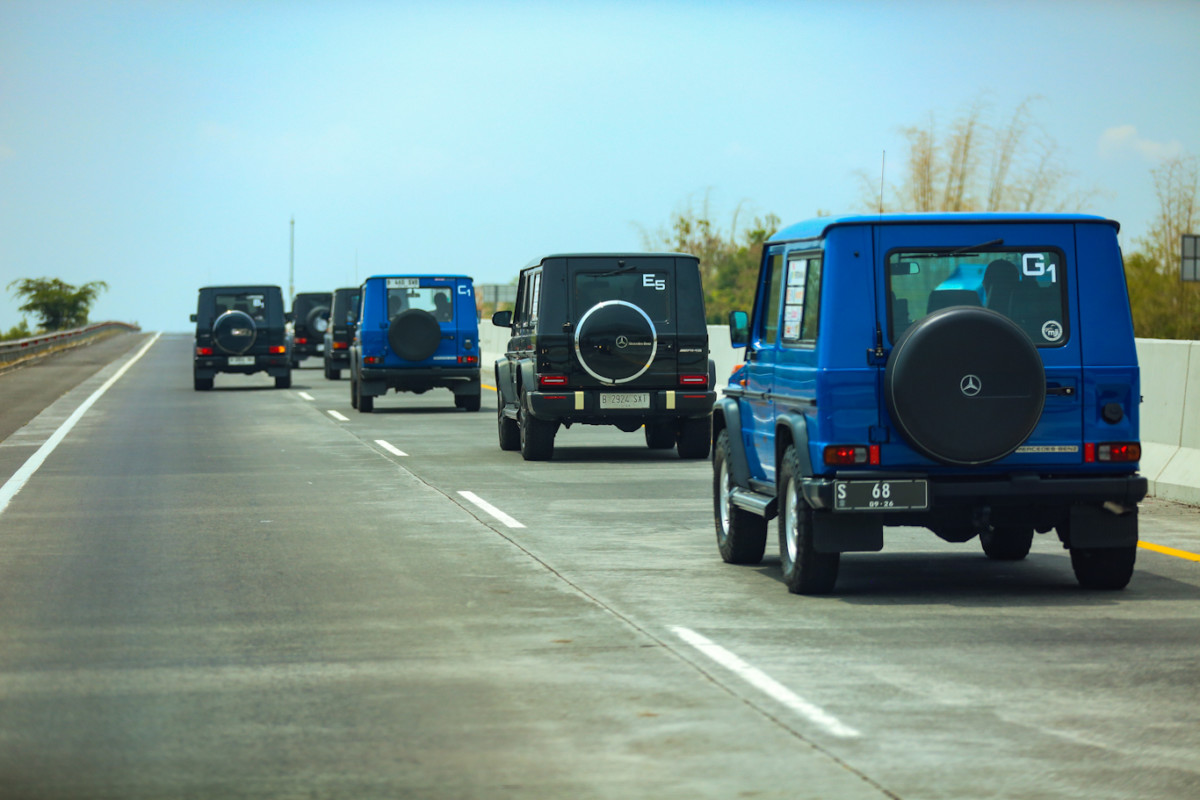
<point x="416" y="333"/>
<point x="974" y="374"/>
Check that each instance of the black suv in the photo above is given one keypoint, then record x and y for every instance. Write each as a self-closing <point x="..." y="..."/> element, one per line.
<point x="343" y="316"/>
<point x="607" y="339"/>
<point x="240" y="329"/>
<point x="310" y="319"/>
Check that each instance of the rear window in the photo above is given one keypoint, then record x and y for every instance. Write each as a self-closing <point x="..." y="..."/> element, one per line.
<point x="406" y="293"/>
<point x="1025" y="285"/>
<point x="253" y="304"/>
<point x="648" y="290"/>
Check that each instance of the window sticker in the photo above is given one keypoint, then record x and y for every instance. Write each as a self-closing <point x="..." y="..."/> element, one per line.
<point x="1052" y="330"/>
<point x="1034" y="265"/>
<point x="795" y="295"/>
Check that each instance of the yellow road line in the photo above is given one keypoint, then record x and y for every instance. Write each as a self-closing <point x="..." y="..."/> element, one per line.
<point x="484" y="385"/>
<point x="1170" y="551"/>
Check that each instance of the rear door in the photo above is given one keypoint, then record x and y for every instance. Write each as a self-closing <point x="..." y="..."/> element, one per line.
<point x="1025" y="271"/>
<point x="762" y="355"/>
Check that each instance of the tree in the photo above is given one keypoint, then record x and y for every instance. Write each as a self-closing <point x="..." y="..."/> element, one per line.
<point x="58" y="305"/>
<point x="1164" y="307"/>
<point x="977" y="166"/>
<point x="728" y="262"/>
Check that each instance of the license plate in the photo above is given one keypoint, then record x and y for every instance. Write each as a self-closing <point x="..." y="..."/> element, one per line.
<point x="624" y="400"/>
<point x="887" y="495"/>
<point x="241" y="361"/>
<point x="403" y="283"/>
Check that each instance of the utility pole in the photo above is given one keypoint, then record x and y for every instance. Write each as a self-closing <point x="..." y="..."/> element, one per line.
<point x="292" y="264"/>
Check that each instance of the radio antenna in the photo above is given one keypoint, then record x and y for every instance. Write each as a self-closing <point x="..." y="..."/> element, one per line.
<point x="882" y="172"/>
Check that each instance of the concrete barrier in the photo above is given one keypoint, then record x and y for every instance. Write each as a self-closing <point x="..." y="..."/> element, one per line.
<point x="1170" y="412"/>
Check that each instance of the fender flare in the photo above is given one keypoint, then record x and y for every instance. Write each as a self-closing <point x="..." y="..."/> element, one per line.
<point x="528" y="375"/>
<point x="797" y="427"/>
<point x="727" y="415"/>
<point x="506" y="385"/>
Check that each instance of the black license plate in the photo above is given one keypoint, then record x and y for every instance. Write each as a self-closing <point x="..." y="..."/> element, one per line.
<point x="884" y="495"/>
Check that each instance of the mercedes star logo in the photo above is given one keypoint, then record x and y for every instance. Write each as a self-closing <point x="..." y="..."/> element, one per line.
<point x="970" y="385"/>
<point x="622" y="341"/>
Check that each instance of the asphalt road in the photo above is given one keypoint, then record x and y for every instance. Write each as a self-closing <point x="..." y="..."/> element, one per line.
<point x="238" y="594"/>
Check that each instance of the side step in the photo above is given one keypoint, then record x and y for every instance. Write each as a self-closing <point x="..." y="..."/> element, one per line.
<point x="760" y="504"/>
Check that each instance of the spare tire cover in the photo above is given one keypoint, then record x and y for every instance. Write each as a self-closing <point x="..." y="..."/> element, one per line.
<point x="615" y="341"/>
<point x="318" y="320"/>
<point x="965" y="386"/>
<point x="414" y="335"/>
<point x="234" y="332"/>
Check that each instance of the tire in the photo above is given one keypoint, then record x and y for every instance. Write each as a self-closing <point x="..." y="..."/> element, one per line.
<point x="695" y="437"/>
<point x="470" y="402"/>
<point x="615" y="341"/>
<point x="1007" y="543"/>
<point x="741" y="536"/>
<point x="1104" y="568"/>
<point x="332" y="374"/>
<point x="234" y="332"/>
<point x="283" y="381"/>
<point x="965" y="386"/>
<point x="365" y="403"/>
<point x="509" y="430"/>
<point x="537" y="437"/>
<point x="660" y="435"/>
<point x="202" y="384"/>
<point x="414" y="334"/>
<point x="805" y="571"/>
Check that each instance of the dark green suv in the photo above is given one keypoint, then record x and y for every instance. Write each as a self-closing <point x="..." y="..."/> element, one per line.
<point x="240" y="329"/>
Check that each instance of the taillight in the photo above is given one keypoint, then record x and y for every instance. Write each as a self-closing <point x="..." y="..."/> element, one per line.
<point x="277" y="349"/>
<point x="301" y="340"/>
<point x="372" y="360"/>
<point x="341" y="345"/>
<point x="848" y="455"/>
<point x="552" y="380"/>
<point x="468" y="359"/>
<point x="1119" y="452"/>
<point x="204" y="351"/>
<point x="693" y="380"/>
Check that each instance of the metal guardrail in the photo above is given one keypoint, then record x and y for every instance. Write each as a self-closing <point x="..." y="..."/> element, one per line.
<point x="21" y="349"/>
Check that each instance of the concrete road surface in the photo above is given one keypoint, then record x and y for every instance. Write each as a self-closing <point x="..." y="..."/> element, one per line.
<point x="263" y="593"/>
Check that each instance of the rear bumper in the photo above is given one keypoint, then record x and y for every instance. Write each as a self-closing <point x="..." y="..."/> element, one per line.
<point x="1014" y="491"/>
<point x="584" y="405"/>
<point x="462" y="380"/>
<point x="208" y="366"/>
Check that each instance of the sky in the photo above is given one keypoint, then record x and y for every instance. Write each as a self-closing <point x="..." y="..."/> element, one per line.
<point x="163" y="146"/>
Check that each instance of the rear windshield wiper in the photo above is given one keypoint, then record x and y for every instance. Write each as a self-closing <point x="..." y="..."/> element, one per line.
<point x="975" y="247"/>
<point x="621" y="267"/>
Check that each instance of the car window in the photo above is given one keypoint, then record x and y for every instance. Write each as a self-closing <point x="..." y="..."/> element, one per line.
<point x="401" y="297"/>
<point x="802" y="300"/>
<point x="769" y="326"/>
<point x="253" y="304"/>
<point x="1027" y="285"/>
<point x="649" y="291"/>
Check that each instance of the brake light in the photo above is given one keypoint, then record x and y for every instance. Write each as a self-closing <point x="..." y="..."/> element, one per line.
<point x="277" y="349"/>
<point x="372" y="360"/>
<point x="204" y="351"/>
<point x="341" y="345"/>
<point x="1113" y="452"/>
<point x="552" y="380"/>
<point x="468" y="359"/>
<point x="301" y="340"/>
<point x="847" y="455"/>
<point x="693" y="380"/>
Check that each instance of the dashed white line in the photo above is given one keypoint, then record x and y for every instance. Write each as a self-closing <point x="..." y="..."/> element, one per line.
<point x="306" y="396"/>
<point x="337" y="416"/>
<point x="491" y="509"/>
<point x="765" y="683"/>
<point x="391" y="448"/>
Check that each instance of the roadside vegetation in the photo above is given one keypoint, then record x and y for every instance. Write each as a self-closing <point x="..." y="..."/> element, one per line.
<point x="973" y="164"/>
<point x="57" y="305"/>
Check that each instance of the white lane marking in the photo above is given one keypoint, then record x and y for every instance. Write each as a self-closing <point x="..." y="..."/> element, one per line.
<point x="337" y="416"/>
<point x="390" y="448"/>
<point x="765" y="683"/>
<point x="491" y="509"/>
<point x="305" y="396"/>
<point x="31" y="465"/>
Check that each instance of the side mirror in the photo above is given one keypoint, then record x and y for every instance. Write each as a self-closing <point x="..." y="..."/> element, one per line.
<point x="502" y="319"/>
<point x="192" y="318"/>
<point x="739" y="328"/>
